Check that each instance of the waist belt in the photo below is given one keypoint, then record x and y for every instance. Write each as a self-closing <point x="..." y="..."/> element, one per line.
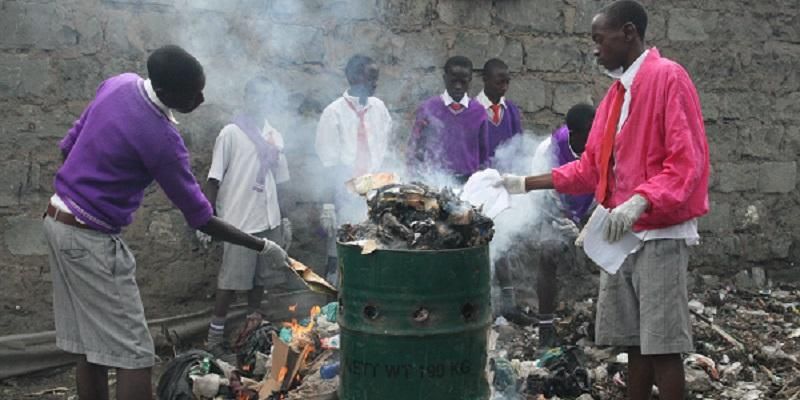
<point x="64" y="217"/>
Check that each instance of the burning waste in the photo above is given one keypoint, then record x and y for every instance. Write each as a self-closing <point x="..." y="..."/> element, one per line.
<point x="299" y="360"/>
<point x="415" y="216"/>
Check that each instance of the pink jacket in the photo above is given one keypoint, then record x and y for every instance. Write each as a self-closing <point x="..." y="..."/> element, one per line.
<point x="661" y="151"/>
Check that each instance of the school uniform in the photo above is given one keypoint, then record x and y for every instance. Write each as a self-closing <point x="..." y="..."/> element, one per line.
<point x="248" y="162"/>
<point x="449" y="136"/>
<point x="504" y="118"/>
<point x="658" y="150"/>
<point x="125" y="139"/>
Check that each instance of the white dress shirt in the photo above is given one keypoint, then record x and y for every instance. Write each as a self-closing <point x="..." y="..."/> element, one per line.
<point x="337" y="132"/>
<point x="487" y="104"/>
<point x="449" y="100"/>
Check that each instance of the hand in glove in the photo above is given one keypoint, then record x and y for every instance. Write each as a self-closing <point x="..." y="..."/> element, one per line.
<point x="274" y="251"/>
<point x="328" y="219"/>
<point x="514" y="184"/>
<point x="624" y="216"/>
<point x="203" y="238"/>
<point x="566" y="227"/>
<point x="286" y="232"/>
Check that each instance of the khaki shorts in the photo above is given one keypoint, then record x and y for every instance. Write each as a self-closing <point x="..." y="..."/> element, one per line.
<point x="645" y="303"/>
<point x="242" y="268"/>
<point x="96" y="303"/>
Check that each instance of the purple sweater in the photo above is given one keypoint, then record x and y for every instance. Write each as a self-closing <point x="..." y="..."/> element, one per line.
<point x="120" y="144"/>
<point x="444" y="140"/>
<point x="510" y="125"/>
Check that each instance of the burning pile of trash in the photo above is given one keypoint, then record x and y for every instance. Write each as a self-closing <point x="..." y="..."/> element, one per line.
<point x="747" y="346"/>
<point x="417" y="217"/>
<point x="296" y="361"/>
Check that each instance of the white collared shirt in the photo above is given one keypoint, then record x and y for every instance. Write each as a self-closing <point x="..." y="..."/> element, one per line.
<point x="151" y="94"/>
<point x="487" y="104"/>
<point x="235" y="165"/>
<point x="685" y="230"/>
<point x="449" y="100"/>
<point x="337" y="132"/>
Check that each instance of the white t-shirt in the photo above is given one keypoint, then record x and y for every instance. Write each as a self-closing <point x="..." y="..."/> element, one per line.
<point x="235" y="165"/>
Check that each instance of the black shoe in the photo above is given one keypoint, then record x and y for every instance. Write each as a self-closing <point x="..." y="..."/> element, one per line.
<point x="520" y="317"/>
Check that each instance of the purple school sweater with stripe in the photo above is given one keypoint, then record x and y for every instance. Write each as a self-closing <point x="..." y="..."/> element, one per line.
<point x="120" y="144"/>
<point x="448" y="141"/>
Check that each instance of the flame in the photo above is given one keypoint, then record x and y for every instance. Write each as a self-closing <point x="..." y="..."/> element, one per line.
<point x="282" y="373"/>
<point x="297" y="329"/>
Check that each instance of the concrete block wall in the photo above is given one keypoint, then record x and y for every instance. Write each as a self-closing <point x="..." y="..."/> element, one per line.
<point x="743" y="58"/>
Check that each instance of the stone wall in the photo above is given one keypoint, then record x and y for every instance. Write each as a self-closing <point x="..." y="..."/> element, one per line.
<point x="743" y="56"/>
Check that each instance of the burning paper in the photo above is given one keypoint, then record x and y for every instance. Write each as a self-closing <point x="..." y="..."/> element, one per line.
<point x="416" y="216"/>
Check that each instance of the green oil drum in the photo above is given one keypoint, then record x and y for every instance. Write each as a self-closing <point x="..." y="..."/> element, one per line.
<point x="414" y="324"/>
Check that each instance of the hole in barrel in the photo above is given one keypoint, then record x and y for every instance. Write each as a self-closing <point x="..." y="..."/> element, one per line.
<point x="371" y="312"/>
<point x="469" y="311"/>
<point x="421" y="314"/>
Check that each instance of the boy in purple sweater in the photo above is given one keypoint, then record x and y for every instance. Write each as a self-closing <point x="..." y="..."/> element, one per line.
<point x="504" y="116"/>
<point x="125" y="139"/>
<point x="450" y="133"/>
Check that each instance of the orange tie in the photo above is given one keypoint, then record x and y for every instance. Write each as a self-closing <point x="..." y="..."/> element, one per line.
<point x="496" y="110"/>
<point x="363" y="156"/>
<point x="456" y="106"/>
<point x="607" y="146"/>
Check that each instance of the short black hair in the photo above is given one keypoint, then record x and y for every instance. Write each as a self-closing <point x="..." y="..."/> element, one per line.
<point x="173" y="69"/>
<point x="579" y="116"/>
<point x="457" y="61"/>
<point x="623" y="11"/>
<point x="256" y="83"/>
<point x="356" y="65"/>
<point x="494" y="64"/>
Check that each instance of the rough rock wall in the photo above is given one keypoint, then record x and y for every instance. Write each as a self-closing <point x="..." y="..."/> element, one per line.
<point x="741" y="54"/>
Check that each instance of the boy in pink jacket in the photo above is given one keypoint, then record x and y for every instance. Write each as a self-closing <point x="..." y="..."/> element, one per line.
<point x="647" y="162"/>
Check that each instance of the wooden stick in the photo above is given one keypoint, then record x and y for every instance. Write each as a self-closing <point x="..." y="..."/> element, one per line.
<point x="725" y="335"/>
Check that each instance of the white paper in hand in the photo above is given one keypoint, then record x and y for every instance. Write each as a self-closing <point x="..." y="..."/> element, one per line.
<point x="485" y="189"/>
<point x="609" y="256"/>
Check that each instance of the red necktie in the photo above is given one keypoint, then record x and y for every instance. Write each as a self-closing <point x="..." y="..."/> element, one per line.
<point x="456" y="106"/>
<point x="496" y="110"/>
<point x="363" y="157"/>
<point x="607" y="146"/>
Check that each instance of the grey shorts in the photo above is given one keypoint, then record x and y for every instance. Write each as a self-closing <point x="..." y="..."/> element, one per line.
<point x="645" y="303"/>
<point x="243" y="268"/>
<point x="96" y="302"/>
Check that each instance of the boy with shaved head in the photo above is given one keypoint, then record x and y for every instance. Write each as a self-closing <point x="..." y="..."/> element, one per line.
<point x="647" y="162"/>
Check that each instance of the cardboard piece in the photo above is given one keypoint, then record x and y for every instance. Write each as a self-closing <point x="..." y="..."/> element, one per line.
<point x="286" y="364"/>
<point x="314" y="282"/>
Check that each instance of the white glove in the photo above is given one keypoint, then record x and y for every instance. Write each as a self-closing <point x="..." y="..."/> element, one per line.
<point x="624" y="216"/>
<point x="514" y="184"/>
<point x="286" y="232"/>
<point x="203" y="238"/>
<point x="273" y="250"/>
<point x="328" y="219"/>
<point x="566" y="227"/>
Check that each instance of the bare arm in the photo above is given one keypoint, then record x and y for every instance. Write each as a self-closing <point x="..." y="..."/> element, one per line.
<point x="212" y="188"/>
<point x="221" y="230"/>
<point x="539" y="182"/>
